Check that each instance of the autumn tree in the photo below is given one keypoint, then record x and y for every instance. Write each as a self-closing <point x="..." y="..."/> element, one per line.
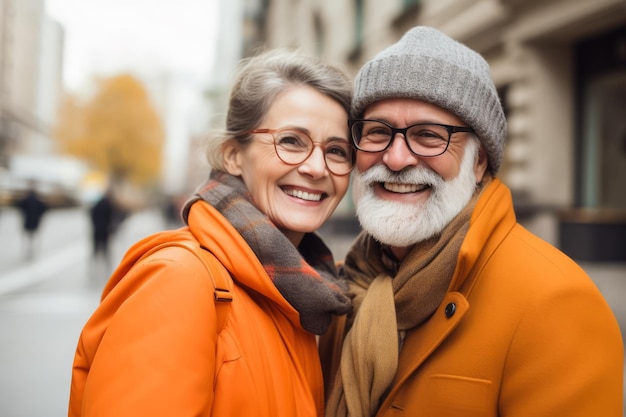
<point x="117" y="130"/>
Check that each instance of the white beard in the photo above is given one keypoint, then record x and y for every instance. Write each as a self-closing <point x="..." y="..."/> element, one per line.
<point x="400" y="224"/>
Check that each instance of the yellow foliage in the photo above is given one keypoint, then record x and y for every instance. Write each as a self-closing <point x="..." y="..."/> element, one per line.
<point x="117" y="130"/>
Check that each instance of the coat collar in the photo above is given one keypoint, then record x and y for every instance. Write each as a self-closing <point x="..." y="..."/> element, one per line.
<point x="492" y="220"/>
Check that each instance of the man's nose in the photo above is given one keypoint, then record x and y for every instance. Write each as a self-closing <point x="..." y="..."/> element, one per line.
<point x="398" y="156"/>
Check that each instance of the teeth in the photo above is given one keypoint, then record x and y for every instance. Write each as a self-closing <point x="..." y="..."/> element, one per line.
<point x="400" y="188"/>
<point x="304" y="195"/>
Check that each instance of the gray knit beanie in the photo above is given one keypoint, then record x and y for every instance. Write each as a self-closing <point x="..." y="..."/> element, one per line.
<point x="428" y="65"/>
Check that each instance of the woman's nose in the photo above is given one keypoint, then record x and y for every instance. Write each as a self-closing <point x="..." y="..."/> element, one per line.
<point x="315" y="164"/>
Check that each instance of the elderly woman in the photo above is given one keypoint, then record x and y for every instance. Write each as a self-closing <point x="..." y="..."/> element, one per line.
<point x="156" y="345"/>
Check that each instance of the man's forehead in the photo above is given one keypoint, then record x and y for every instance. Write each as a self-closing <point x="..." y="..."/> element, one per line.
<point x="410" y="110"/>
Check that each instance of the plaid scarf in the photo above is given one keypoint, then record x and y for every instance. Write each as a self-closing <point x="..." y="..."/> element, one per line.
<point x="306" y="276"/>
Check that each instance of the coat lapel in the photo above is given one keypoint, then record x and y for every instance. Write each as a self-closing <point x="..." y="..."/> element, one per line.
<point x="422" y="341"/>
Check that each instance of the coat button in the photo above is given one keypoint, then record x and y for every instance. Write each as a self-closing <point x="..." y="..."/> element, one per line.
<point x="450" y="310"/>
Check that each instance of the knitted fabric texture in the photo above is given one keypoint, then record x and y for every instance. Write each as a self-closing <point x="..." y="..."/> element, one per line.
<point x="428" y="65"/>
<point x="306" y="276"/>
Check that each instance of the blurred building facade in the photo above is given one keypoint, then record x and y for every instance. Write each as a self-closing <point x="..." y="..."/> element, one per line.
<point x="31" y="62"/>
<point x="229" y="49"/>
<point x="560" y="68"/>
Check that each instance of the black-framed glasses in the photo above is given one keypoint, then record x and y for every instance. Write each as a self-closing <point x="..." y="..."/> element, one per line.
<point x="423" y="139"/>
<point x="294" y="146"/>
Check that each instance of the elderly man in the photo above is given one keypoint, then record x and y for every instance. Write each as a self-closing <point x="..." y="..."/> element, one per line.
<point x="458" y="310"/>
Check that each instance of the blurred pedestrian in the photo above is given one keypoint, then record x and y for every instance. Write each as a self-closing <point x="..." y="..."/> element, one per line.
<point x="106" y="215"/>
<point x="32" y="208"/>
<point x="172" y="212"/>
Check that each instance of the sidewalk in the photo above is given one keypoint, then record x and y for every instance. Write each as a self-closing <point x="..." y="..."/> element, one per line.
<point x="63" y="241"/>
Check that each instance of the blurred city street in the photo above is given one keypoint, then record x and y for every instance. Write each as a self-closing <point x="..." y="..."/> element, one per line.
<point x="45" y="302"/>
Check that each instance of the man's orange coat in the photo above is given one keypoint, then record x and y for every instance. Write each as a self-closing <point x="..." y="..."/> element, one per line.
<point x="529" y="335"/>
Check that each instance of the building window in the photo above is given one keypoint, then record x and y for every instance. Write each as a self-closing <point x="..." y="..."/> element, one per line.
<point x="408" y="4"/>
<point x="601" y="150"/>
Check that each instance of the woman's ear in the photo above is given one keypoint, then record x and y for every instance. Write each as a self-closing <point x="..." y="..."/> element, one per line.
<point x="480" y="166"/>
<point x="231" y="152"/>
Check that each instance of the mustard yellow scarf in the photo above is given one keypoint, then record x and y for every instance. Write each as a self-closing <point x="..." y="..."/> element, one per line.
<point x="384" y="304"/>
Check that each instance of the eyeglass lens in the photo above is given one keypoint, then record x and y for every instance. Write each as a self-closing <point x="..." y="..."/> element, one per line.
<point x="422" y="139"/>
<point x="294" y="147"/>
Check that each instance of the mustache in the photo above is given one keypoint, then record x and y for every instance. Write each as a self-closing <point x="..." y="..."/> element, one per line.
<point x="417" y="175"/>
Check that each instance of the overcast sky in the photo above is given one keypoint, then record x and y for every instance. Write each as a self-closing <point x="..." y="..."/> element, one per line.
<point x="109" y="36"/>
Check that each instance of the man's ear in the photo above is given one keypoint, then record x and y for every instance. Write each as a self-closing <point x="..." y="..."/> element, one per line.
<point x="232" y="157"/>
<point x="480" y="166"/>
